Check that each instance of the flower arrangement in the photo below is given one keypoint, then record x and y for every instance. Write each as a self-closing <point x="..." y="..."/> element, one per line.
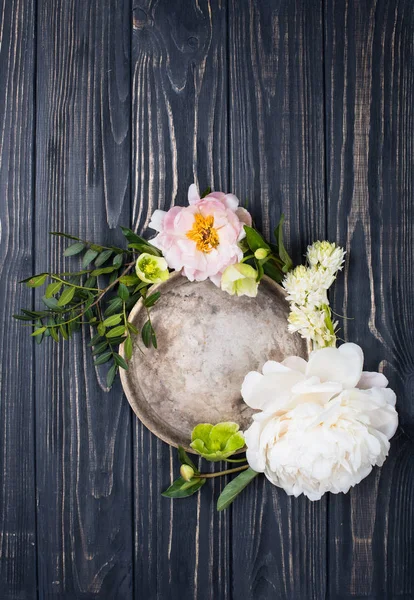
<point x="321" y="425"/>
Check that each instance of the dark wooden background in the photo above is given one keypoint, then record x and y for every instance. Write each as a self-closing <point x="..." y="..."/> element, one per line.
<point x="110" y="109"/>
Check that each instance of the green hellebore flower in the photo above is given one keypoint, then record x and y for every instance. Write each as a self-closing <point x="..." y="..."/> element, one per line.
<point x="240" y="279"/>
<point x="217" y="442"/>
<point x="152" y="269"/>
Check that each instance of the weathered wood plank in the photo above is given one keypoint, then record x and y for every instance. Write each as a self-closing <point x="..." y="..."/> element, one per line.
<point x="370" y="131"/>
<point x="17" y="468"/>
<point x="277" y="162"/>
<point x="82" y="186"/>
<point x="179" y="136"/>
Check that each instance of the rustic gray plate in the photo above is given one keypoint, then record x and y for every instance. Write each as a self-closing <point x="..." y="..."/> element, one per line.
<point x="207" y="342"/>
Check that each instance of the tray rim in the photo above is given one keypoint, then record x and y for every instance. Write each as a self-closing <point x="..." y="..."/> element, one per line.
<point x="124" y="374"/>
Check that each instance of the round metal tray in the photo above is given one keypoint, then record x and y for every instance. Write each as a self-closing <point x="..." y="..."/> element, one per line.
<point x="207" y="342"/>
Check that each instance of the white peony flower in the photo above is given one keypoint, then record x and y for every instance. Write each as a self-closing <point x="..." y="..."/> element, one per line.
<point x="323" y="424"/>
<point x="327" y="255"/>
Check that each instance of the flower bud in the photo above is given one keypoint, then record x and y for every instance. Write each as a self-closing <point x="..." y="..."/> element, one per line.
<point x="186" y="472"/>
<point x="261" y="253"/>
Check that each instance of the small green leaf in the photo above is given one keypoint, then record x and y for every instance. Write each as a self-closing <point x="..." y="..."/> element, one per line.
<point x="111" y="375"/>
<point x="116" y="331"/>
<point x="123" y="292"/>
<point x="54" y="333"/>
<point x="128" y="348"/>
<point x="129" y="280"/>
<point x="132" y="328"/>
<point x="101" y="329"/>
<point x="39" y="331"/>
<point x="120" y="361"/>
<point x="186" y="460"/>
<point x="22" y="318"/>
<point x="66" y="296"/>
<point x="273" y="272"/>
<point x="233" y="489"/>
<point x="103" y="358"/>
<point x="254" y="239"/>
<point x="94" y="340"/>
<point x="64" y="332"/>
<point x="145" y="249"/>
<point x="53" y="288"/>
<point x="37" y="280"/>
<point x="73" y="249"/>
<point x="152" y="299"/>
<point x="102" y="271"/>
<point x="148" y="335"/>
<point x="206" y="192"/>
<point x="90" y="282"/>
<point x="281" y="248"/>
<point x="113" y="307"/>
<point x="90" y="255"/>
<point x="113" y="320"/>
<point x="103" y="257"/>
<point x="118" y="260"/>
<point x="99" y="348"/>
<point x="180" y="489"/>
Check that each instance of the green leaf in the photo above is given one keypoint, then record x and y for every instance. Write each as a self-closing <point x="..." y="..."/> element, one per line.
<point x="186" y="460"/>
<point x="65" y="235"/>
<point x="22" y="318"/>
<point x="148" y="335"/>
<point x="145" y="248"/>
<point x="54" y="333"/>
<point x="101" y="329"/>
<point x="73" y="249"/>
<point x="102" y="271"/>
<point x="123" y="292"/>
<point x="113" y="320"/>
<point x="37" y="280"/>
<point x="94" y="340"/>
<point x="111" y="375"/>
<point x="128" y="348"/>
<point x="90" y="255"/>
<point x="103" y="358"/>
<point x="103" y="257"/>
<point x="120" y="361"/>
<point x="273" y="272"/>
<point x="99" y="348"/>
<point x="132" y="328"/>
<point x="39" y="331"/>
<point x="177" y="489"/>
<point x="64" y="332"/>
<point x="113" y="306"/>
<point x="129" y="280"/>
<point x="116" y="331"/>
<point x="233" y="489"/>
<point x="206" y="192"/>
<point x="152" y="299"/>
<point x="66" y="296"/>
<point x="90" y="282"/>
<point x="53" y="288"/>
<point x="281" y="248"/>
<point x="254" y="239"/>
<point x="133" y="238"/>
<point x="118" y="260"/>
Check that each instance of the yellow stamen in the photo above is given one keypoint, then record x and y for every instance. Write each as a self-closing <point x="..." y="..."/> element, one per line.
<point x="203" y="233"/>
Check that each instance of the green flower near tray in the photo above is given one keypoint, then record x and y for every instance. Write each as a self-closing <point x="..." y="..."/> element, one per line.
<point x="217" y="442"/>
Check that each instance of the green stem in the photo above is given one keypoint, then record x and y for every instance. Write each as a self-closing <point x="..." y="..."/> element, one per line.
<point x="236" y="460"/>
<point x="220" y="473"/>
<point x="80" y="287"/>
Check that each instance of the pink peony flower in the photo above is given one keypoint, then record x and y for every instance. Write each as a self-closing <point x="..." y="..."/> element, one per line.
<point x="201" y="239"/>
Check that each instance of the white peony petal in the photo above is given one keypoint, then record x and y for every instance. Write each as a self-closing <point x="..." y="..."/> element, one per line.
<point x="343" y="364"/>
<point x="370" y="380"/>
<point x="271" y="366"/>
<point x="157" y="219"/>
<point x="193" y="195"/>
<point x="250" y="383"/>
<point x="296" y="363"/>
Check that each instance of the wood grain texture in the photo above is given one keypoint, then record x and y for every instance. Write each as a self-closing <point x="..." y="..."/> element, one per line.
<point x="82" y="186"/>
<point x="179" y="136"/>
<point x="277" y="162"/>
<point x="369" y="57"/>
<point x="17" y="467"/>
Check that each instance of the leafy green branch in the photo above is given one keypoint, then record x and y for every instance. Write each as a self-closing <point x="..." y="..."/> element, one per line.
<point x="75" y="298"/>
